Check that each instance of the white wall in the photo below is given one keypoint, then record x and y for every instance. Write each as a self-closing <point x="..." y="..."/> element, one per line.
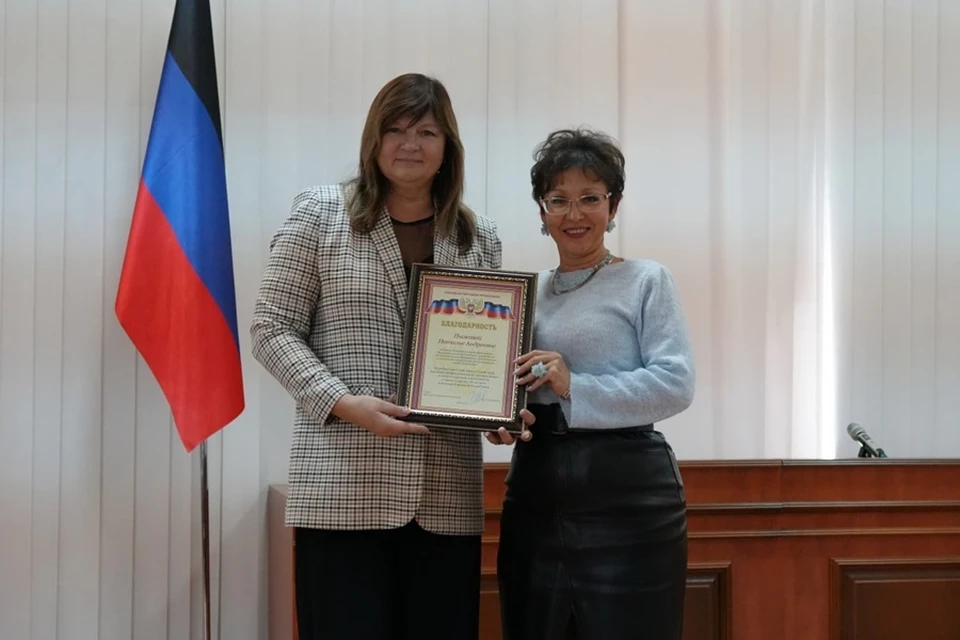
<point x="794" y="164"/>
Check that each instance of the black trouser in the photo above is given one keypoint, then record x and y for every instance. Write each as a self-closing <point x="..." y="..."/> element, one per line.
<point x="394" y="584"/>
<point x="593" y="536"/>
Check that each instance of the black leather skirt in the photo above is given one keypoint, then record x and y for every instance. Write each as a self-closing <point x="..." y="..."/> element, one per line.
<point x="593" y="535"/>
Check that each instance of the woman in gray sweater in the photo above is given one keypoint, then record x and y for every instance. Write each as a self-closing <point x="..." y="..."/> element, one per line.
<point x="593" y="538"/>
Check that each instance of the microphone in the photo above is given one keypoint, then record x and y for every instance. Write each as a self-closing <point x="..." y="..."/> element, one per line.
<point x="868" y="447"/>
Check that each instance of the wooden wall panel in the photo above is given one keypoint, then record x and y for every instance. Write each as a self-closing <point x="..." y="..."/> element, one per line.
<point x="282" y="621"/>
<point x="489" y="605"/>
<point x="706" y="614"/>
<point x="827" y="550"/>
<point x="891" y="600"/>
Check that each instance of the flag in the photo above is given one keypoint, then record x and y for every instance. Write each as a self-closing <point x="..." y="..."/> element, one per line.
<point x="176" y="299"/>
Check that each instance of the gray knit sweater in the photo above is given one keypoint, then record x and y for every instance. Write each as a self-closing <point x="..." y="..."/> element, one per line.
<point x="624" y="338"/>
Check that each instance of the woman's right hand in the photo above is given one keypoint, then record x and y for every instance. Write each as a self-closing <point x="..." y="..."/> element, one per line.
<point x="377" y="416"/>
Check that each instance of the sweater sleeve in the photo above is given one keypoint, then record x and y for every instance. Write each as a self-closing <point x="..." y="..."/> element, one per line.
<point x="662" y="387"/>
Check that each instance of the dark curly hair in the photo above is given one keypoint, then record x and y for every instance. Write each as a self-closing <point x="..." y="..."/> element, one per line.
<point x="593" y="152"/>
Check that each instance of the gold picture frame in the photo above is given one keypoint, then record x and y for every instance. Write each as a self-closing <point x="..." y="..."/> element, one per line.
<point x="465" y="327"/>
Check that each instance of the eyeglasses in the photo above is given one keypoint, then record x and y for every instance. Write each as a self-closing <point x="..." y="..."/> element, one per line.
<point x="587" y="203"/>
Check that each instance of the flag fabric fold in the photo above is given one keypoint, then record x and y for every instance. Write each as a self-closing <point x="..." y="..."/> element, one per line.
<point x="176" y="299"/>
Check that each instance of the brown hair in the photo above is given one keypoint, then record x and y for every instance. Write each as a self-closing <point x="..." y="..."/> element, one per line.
<point x="412" y="95"/>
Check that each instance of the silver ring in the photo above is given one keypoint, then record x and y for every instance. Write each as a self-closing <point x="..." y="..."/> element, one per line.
<point x="539" y="370"/>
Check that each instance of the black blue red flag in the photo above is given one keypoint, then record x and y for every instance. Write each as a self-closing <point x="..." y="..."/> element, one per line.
<point x="176" y="299"/>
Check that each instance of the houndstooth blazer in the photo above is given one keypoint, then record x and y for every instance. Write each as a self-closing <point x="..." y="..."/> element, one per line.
<point x="328" y="320"/>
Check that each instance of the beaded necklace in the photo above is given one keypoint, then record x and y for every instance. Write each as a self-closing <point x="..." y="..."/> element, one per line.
<point x="577" y="282"/>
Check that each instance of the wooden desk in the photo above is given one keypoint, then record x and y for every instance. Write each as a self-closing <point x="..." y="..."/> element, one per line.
<point x="779" y="550"/>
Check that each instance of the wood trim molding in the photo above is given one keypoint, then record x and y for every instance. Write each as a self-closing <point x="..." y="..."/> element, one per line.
<point x="823" y="506"/>
<point x="831" y="533"/>
<point x="749" y="508"/>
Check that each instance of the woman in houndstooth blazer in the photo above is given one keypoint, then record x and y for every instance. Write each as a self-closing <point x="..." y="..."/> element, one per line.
<point x="387" y="514"/>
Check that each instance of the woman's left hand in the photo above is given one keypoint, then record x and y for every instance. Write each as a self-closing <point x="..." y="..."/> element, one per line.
<point x="557" y="375"/>
<point x="502" y="436"/>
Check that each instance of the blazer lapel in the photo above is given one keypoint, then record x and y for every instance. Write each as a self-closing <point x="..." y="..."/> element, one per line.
<point x="386" y="243"/>
<point x="445" y="250"/>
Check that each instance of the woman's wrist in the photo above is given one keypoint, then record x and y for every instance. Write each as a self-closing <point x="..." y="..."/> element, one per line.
<point x="342" y="408"/>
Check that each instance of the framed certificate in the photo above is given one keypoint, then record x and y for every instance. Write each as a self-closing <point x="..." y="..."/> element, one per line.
<point x="464" y="329"/>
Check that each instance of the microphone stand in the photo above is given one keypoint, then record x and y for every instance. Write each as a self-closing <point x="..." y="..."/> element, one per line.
<point x="864" y="453"/>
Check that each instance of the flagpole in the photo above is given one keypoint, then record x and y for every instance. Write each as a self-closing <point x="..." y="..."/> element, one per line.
<point x="205" y="537"/>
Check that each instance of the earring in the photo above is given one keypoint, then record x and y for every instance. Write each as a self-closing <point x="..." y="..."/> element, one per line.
<point x="611" y="226"/>
<point x="543" y="229"/>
